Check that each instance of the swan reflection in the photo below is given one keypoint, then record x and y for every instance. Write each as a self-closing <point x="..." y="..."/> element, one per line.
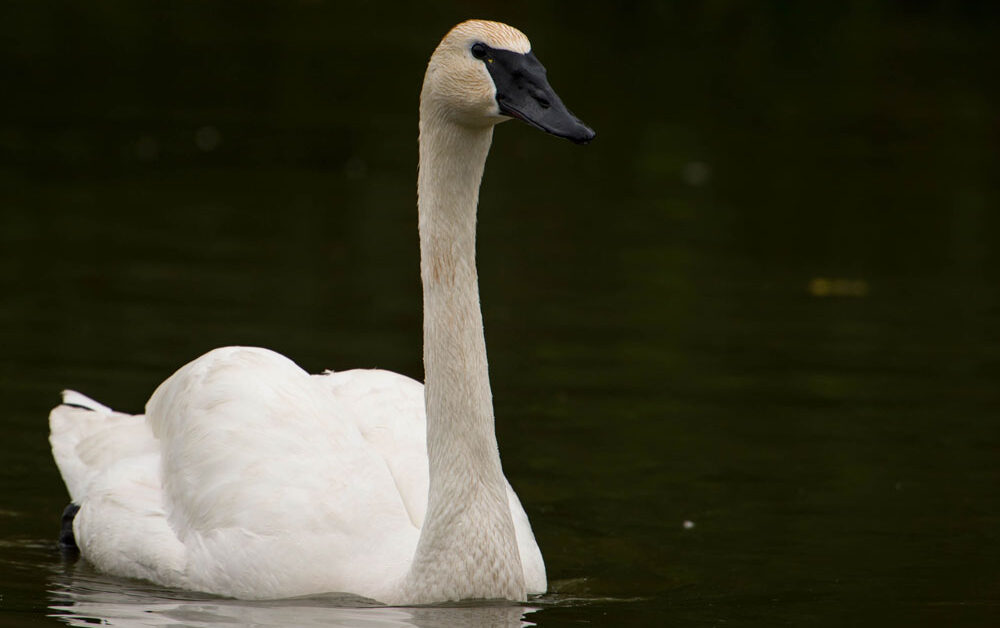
<point x="83" y="597"/>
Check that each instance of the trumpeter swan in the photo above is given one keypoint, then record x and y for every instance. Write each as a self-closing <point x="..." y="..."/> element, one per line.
<point x="248" y="477"/>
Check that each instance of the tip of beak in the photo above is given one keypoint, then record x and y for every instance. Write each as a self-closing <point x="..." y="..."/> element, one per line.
<point x="584" y="135"/>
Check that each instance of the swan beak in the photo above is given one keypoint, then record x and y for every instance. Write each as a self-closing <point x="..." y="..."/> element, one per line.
<point x="523" y="92"/>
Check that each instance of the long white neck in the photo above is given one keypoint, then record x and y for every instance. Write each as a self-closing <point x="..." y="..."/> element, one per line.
<point x="467" y="546"/>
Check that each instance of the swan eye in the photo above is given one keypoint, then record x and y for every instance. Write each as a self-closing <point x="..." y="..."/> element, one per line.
<point x="479" y="51"/>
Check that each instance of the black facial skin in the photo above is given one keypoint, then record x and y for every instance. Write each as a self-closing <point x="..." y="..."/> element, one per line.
<point x="524" y="93"/>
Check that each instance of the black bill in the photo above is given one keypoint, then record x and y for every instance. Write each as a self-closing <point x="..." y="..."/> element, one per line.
<point x="524" y="93"/>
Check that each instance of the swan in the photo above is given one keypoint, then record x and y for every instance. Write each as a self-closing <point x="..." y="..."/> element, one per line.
<point x="248" y="477"/>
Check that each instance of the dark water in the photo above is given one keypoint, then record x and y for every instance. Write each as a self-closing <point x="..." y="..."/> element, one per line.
<point x="745" y="347"/>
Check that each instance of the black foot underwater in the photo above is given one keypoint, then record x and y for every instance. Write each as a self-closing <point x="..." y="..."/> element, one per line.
<point x="67" y="542"/>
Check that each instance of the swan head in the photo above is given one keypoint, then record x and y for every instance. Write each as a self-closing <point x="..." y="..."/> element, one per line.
<point x="483" y="73"/>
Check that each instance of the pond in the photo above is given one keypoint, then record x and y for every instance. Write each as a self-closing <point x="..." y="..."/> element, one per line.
<point x="744" y="347"/>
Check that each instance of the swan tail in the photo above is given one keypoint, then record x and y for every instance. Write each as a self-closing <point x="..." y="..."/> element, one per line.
<point x="88" y="437"/>
<point x="110" y="462"/>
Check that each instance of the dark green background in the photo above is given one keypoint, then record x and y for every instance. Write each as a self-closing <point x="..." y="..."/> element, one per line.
<point x="176" y="176"/>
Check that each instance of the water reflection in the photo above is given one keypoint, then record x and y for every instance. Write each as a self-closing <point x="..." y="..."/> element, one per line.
<point x="81" y="597"/>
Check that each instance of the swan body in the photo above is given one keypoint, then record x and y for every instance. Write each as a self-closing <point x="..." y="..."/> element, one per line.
<point x="248" y="477"/>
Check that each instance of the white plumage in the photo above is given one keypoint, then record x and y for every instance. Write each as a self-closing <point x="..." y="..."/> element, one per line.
<point x="248" y="477"/>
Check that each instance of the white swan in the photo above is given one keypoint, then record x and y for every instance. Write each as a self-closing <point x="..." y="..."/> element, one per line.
<point x="248" y="477"/>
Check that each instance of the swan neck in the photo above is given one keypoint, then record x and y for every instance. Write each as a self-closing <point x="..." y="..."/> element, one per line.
<point x="467" y="547"/>
<point x="457" y="387"/>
